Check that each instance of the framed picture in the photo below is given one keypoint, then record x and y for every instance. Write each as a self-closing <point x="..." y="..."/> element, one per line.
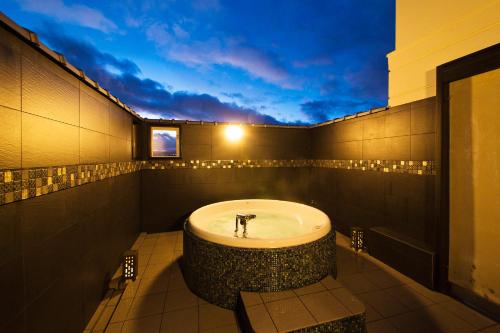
<point x="165" y="142"/>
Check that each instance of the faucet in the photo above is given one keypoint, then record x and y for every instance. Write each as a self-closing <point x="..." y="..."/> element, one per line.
<point x="243" y="219"/>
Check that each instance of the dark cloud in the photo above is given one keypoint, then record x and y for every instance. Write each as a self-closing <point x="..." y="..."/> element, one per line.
<point x="323" y="110"/>
<point x="147" y="96"/>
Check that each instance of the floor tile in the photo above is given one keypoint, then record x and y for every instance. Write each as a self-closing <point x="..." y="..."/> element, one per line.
<point x="330" y="283"/>
<point x="409" y="297"/>
<point x="381" y="326"/>
<point x="114" y="328"/>
<point x="152" y="286"/>
<point x="383" y="303"/>
<point x="358" y="283"/>
<point x="104" y="318"/>
<point x="180" y="299"/>
<point x="122" y="310"/>
<point x="224" y="329"/>
<point x="276" y="295"/>
<point x="351" y="302"/>
<point x="176" y="281"/>
<point x="149" y="324"/>
<point x="382" y="279"/>
<point x="211" y="316"/>
<point x="146" y="306"/>
<point x="430" y="319"/>
<point x="475" y="319"/>
<point x="312" y="288"/>
<point x="180" y="321"/>
<point x="324" y="306"/>
<point x="430" y="294"/>
<point x="289" y="314"/>
<point x="492" y="329"/>
<point x="260" y="319"/>
<point x="250" y="298"/>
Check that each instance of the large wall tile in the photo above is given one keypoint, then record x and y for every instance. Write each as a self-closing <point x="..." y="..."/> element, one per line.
<point x="348" y="131"/>
<point x="120" y="123"/>
<point x="196" y="134"/>
<point x="120" y="150"/>
<point x="375" y="149"/>
<point x="10" y="70"/>
<point x="423" y="117"/>
<point x="422" y="147"/>
<point x="47" y="142"/>
<point x="94" y="147"/>
<point x="397" y="123"/>
<point x="196" y="152"/>
<point x="351" y="150"/>
<point x="398" y="148"/>
<point x="10" y="138"/>
<point x="49" y="91"/>
<point x="374" y="127"/>
<point x="94" y="110"/>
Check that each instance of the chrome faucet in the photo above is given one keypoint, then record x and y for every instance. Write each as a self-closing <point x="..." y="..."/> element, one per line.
<point x="243" y="219"/>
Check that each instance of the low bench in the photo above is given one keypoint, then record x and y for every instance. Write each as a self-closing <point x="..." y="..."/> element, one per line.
<point x="325" y="306"/>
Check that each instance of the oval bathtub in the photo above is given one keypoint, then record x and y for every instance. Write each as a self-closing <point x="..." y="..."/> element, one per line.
<point x="288" y="245"/>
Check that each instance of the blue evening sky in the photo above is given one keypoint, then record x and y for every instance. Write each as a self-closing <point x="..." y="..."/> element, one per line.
<point x="254" y="61"/>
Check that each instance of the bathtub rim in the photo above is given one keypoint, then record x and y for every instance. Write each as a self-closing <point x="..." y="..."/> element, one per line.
<point x="252" y="243"/>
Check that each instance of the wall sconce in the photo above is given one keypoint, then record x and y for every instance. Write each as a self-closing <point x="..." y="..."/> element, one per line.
<point x="234" y="133"/>
<point x="130" y="265"/>
<point x="357" y="238"/>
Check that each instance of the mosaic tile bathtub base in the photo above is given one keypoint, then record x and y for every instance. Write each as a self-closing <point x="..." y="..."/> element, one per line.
<point x="217" y="273"/>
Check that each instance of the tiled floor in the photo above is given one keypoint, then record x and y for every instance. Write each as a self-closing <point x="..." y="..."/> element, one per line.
<point x="159" y="300"/>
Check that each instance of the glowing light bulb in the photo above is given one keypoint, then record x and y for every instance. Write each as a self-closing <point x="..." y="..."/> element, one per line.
<point x="234" y="133"/>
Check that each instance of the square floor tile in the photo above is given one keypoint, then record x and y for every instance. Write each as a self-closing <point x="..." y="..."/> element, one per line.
<point x="149" y="324"/>
<point x="212" y="316"/>
<point x="152" y="286"/>
<point x="312" y="288"/>
<point x="146" y="306"/>
<point x="330" y="283"/>
<point x="180" y="299"/>
<point x="114" y="328"/>
<point x="409" y="297"/>
<point x="384" y="303"/>
<point x="289" y="314"/>
<point x="260" y="319"/>
<point x="348" y="300"/>
<point x="381" y="326"/>
<point x="250" y="298"/>
<point x="276" y="295"/>
<point x="324" y="306"/>
<point x="180" y="321"/>
<point x="122" y="310"/>
<point x="358" y="283"/>
<point x="475" y="319"/>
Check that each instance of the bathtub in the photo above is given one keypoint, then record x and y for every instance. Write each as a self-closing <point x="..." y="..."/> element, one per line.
<point x="295" y="223"/>
<point x="288" y="245"/>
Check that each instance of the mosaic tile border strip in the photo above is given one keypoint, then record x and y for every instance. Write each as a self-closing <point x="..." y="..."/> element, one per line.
<point x="23" y="184"/>
<point x="217" y="273"/>
<point x="397" y="166"/>
<point x="20" y="184"/>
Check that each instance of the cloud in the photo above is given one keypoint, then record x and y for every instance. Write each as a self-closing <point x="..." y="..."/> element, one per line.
<point x="147" y="96"/>
<point x="322" y="110"/>
<point x="74" y="14"/>
<point x="216" y="51"/>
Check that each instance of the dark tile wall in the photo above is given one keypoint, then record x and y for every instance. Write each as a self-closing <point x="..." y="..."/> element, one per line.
<point x="401" y="202"/>
<point x="58" y="251"/>
<point x="169" y="196"/>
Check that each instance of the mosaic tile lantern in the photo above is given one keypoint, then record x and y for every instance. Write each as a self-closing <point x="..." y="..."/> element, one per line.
<point x="129" y="265"/>
<point x="357" y="239"/>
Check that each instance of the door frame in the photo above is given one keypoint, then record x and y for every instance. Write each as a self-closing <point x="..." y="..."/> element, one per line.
<point x="476" y="63"/>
